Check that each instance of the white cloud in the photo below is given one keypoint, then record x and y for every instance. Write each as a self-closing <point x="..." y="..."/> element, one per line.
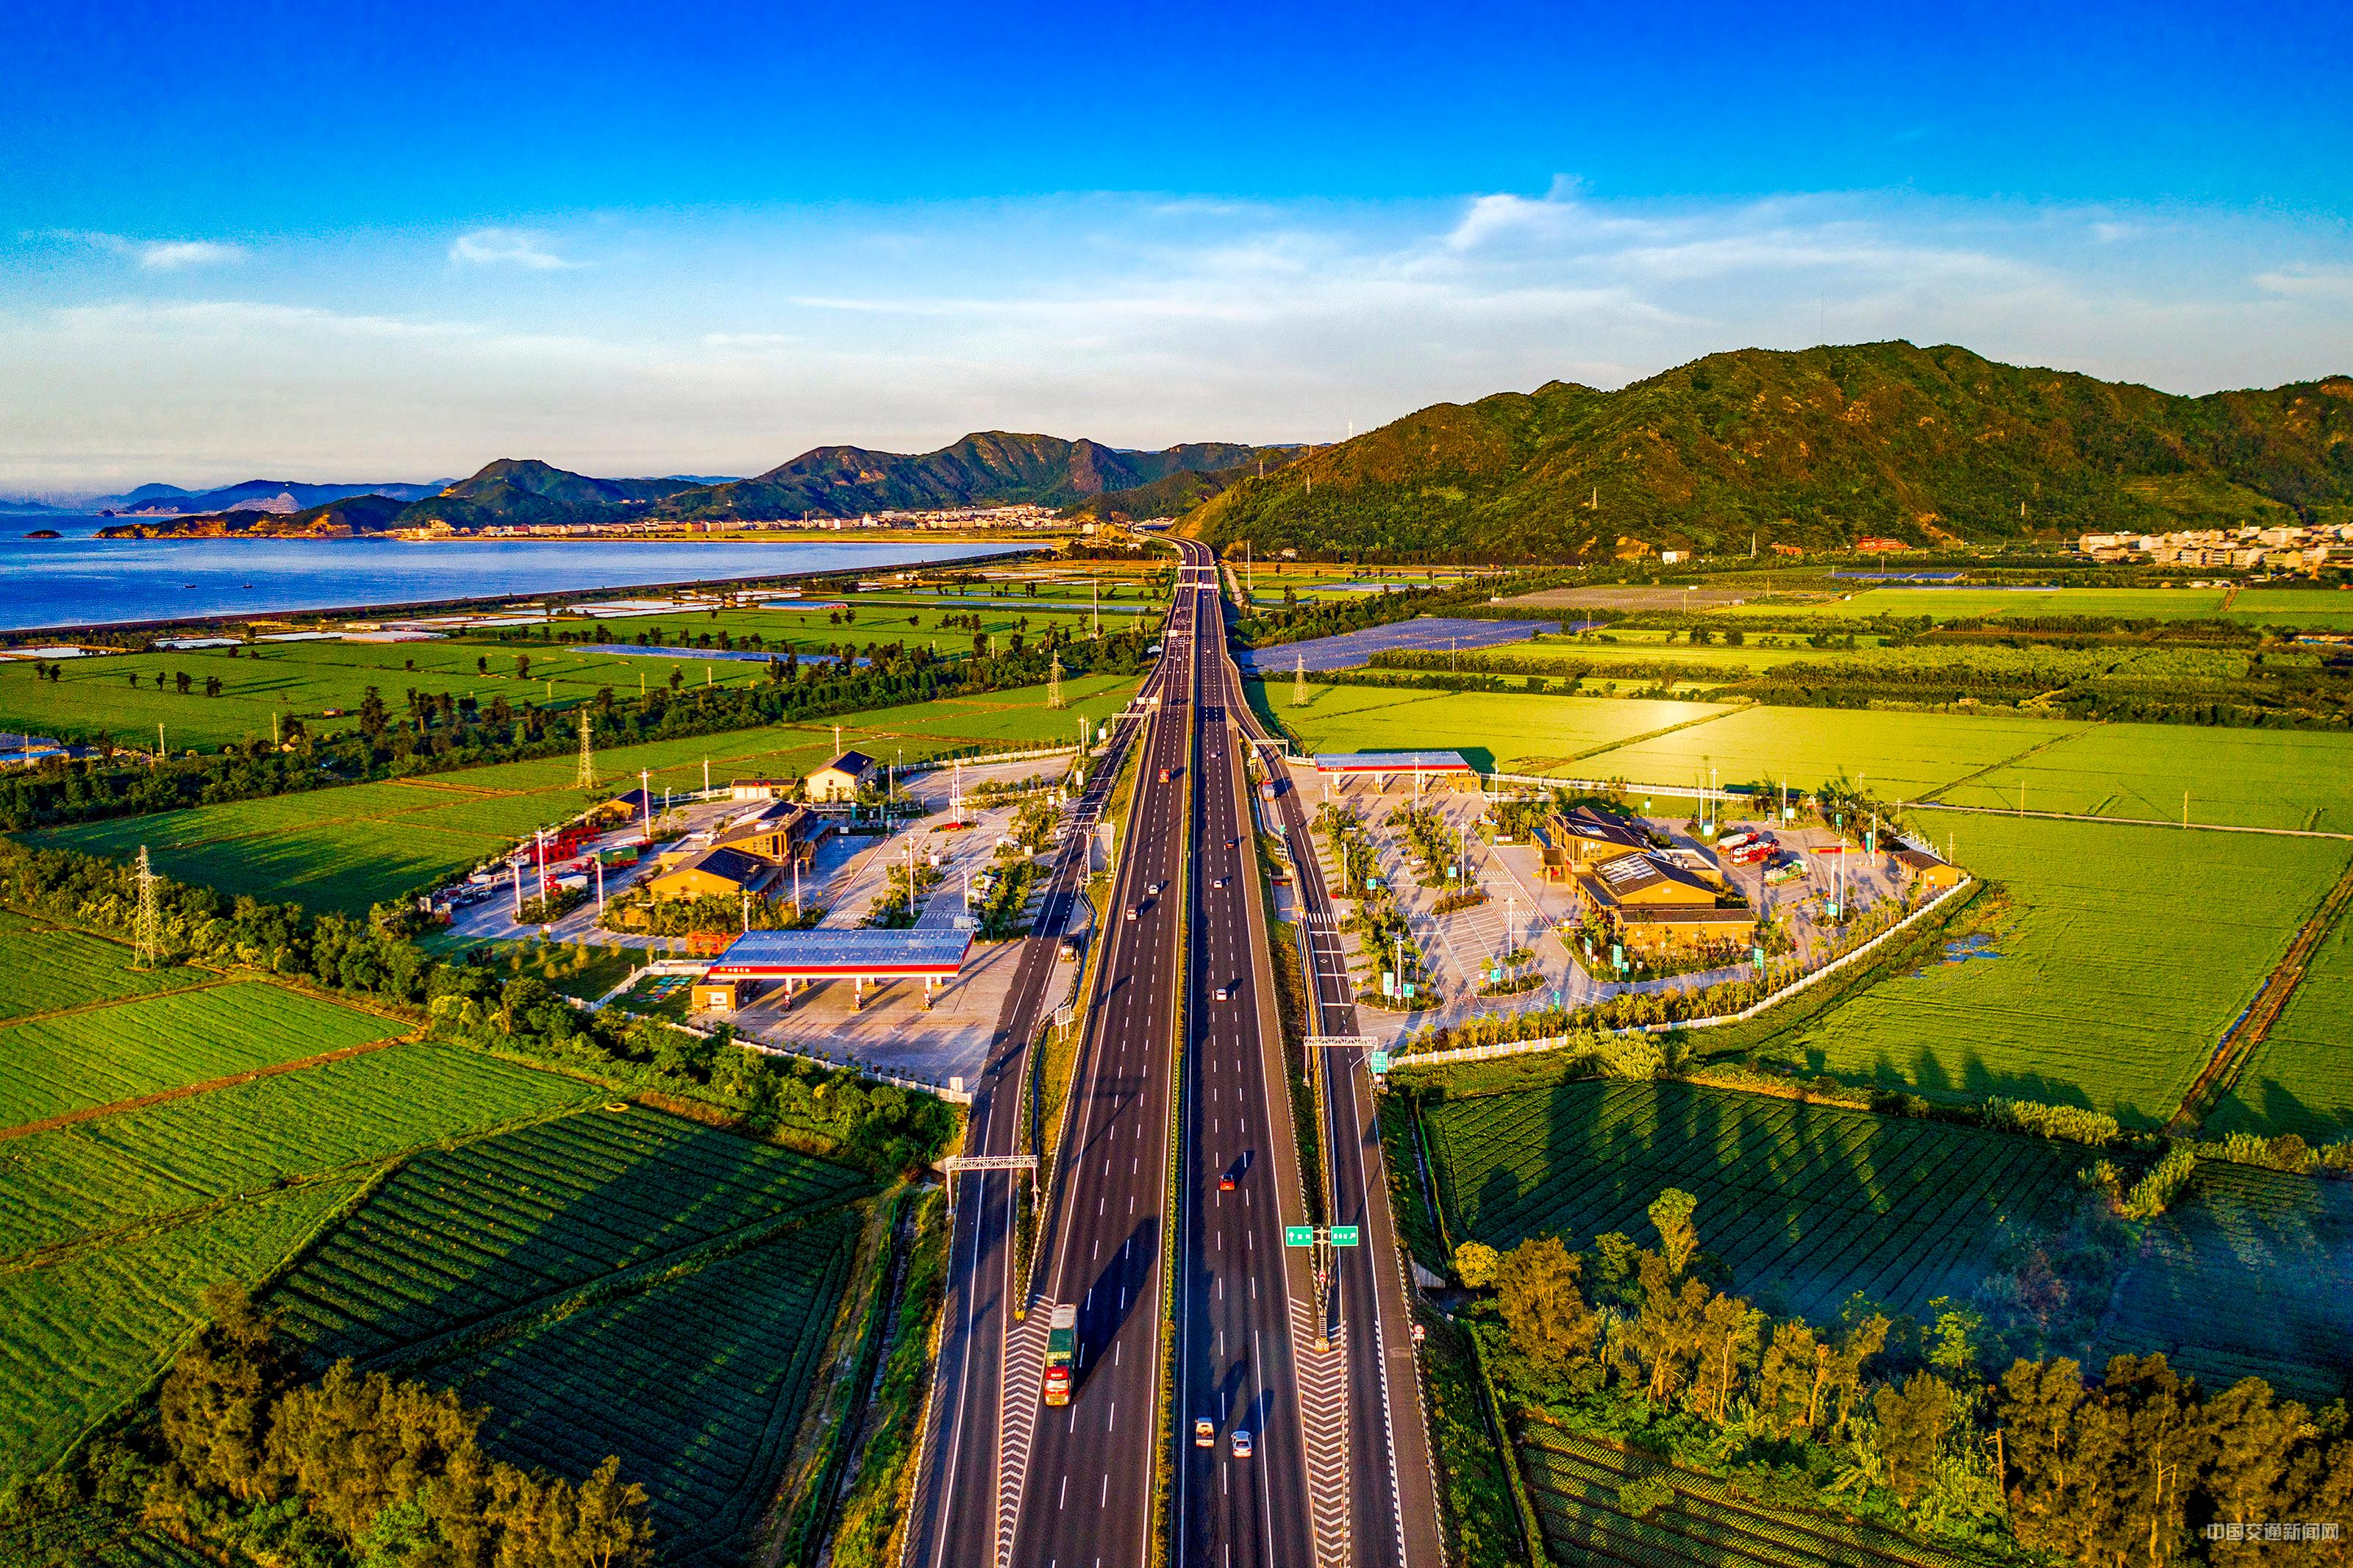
<point x="727" y="342"/>
<point x="157" y="254"/>
<point x="507" y="246"/>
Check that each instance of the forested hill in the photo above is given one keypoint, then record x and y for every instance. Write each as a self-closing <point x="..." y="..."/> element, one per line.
<point x="1814" y="448"/>
<point x="987" y="468"/>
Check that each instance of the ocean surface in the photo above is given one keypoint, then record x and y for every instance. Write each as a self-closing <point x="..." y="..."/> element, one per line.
<point x="80" y="580"/>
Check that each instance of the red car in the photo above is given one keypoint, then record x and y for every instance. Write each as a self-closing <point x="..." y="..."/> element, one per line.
<point x="1226" y="1184"/>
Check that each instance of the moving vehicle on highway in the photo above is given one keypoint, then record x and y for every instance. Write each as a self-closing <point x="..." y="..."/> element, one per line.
<point x="1241" y="1444"/>
<point x="1061" y="1348"/>
<point x="1205" y="1432"/>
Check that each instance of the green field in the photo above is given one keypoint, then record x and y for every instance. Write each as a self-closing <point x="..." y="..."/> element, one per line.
<point x="82" y="1334"/>
<point x="1806" y="1204"/>
<point x="2247" y="1276"/>
<point x="302" y="679"/>
<point x="114" y="1227"/>
<point x="346" y="849"/>
<point x="44" y="968"/>
<point x="1956" y="603"/>
<point x="2300" y="1079"/>
<point x="697" y="1383"/>
<point x="2249" y="778"/>
<point x="1898" y="756"/>
<point x="1509" y="732"/>
<point x="2124" y="954"/>
<point x="183" y="1156"/>
<point x="52" y="1066"/>
<point x="460" y="1235"/>
<point x="1574" y="1483"/>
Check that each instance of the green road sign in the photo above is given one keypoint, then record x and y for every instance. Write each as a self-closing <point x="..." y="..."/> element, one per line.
<point x="1344" y="1235"/>
<point x="1298" y="1235"/>
<point x="1380" y="1061"/>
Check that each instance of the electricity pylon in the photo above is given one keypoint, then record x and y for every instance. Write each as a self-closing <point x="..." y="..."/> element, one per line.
<point x="1054" y="683"/>
<point x="147" y="929"/>
<point x="1299" y="681"/>
<point x="586" y="778"/>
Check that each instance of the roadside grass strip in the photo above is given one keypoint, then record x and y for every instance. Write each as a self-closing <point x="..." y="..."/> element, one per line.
<point x="2241" y="778"/>
<point x="1575" y="1483"/>
<point x="79" y="1060"/>
<point x="115" y="1174"/>
<point x="460" y="1234"/>
<point x="2247" y="1274"/>
<point x="1806" y="1204"/>
<point x="697" y="1383"/>
<point x="2122" y="954"/>
<point x="2300" y="1079"/>
<point x="79" y="1338"/>
<point x="44" y="968"/>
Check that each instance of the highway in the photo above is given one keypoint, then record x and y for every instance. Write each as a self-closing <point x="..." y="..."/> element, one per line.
<point x="1339" y="1472"/>
<point x="957" y="1498"/>
<point x="1088" y="1493"/>
<point x="1235" y="1319"/>
<point x="1391" y="1489"/>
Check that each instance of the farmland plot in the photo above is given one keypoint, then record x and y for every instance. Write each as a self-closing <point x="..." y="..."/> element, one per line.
<point x="2300" y="1079"/>
<point x="52" y="1066"/>
<point x="2125" y="953"/>
<point x="1574" y="1483"/>
<point x="2241" y="778"/>
<point x="1896" y="756"/>
<point x="1504" y="731"/>
<point x="79" y="1336"/>
<point x="46" y="967"/>
<point x="1810" y="1203"/>
<point x="348" y="847"/>
<point x="697" y="1383"/>
<point x="460" y="1235"/>
<point x="2248" y="1275"/>
<point x="117" y="1171"/>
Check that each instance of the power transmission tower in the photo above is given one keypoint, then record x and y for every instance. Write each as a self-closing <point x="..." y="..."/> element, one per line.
<point x="1299" y="681"/>
<point x="147" y="930"/>
<point x="1094" y="631"/>
<point x="586" y="778"/>
<point x="1054" y="683"/>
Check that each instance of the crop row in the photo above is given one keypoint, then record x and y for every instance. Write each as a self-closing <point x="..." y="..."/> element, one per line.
<point x="53" y="1066"/>
<point x="462" y="1233"/>
<point x="696" y="1384"/>
<point x="117" y="1170"/>
<point x="44" y="968"/>
<point x="1577" y="1485"/>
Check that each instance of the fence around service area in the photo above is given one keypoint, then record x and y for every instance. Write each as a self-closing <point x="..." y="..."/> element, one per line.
<point x="1554" y="1042"/>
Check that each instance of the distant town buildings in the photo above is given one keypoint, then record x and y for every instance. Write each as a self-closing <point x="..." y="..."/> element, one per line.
<point x="2307" y="548"/>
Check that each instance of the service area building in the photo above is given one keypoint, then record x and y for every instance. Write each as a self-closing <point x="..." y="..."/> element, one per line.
<point x="795" y="959"/>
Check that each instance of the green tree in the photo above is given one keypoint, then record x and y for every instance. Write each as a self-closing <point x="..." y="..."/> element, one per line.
<point x="1913" y="1422"/>
<point x="1670" y="1217"/>
<point x="1474" y="1264"/>
<point x="1535" y="1291"/>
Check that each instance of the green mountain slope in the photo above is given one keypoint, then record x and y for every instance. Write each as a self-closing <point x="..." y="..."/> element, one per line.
<point x="987" y="468"/>
<point x="518" y="491"/>
<point x="1815" y="449"/>
<point x="337" y="518"/>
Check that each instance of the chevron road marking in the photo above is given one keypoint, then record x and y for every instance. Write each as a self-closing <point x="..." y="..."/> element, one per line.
<point x="1323" y="1430"/>
<point x="1016" y="1424"/>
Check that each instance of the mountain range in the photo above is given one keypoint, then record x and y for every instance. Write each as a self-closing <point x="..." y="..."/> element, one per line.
<point x="251" y="495"/>
<point x="1815" y="449"/>
<point x="989" y="467"/>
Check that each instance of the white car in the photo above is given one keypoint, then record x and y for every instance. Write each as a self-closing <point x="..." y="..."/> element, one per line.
<point x="1218" y="883"/>
<point x="1241" y="1444"/>
<point x="1224" y="993"/>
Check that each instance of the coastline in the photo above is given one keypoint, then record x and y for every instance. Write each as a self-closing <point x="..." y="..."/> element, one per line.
<point x="96" y="630"/>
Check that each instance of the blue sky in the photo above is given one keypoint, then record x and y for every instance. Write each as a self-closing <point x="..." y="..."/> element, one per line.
<point x="396" y="241"/>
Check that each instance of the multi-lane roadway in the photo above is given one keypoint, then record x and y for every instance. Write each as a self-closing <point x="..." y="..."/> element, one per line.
<point x="1180" y="1057"/>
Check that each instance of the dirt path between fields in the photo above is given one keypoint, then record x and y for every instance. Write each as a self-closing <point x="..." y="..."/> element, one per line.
<point x="187" y="1091"/>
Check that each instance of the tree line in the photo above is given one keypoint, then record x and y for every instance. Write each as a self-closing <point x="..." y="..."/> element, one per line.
<point x="439" y="734"/>
<point x="1895" y="1419"/>
<point x="880" y="1127"/>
